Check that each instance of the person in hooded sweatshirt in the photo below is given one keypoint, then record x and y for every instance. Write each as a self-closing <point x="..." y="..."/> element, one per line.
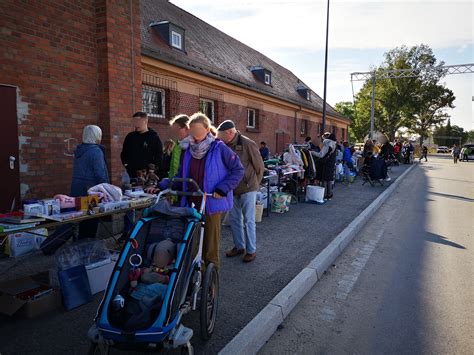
<point x="90" y="169"/>
<point x="141" y="147"/>
<point x="327" y="163"/>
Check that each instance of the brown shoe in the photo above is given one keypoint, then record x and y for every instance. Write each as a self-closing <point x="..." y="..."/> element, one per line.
<point x="249" y="257"/>
<point x="234" y="252"/>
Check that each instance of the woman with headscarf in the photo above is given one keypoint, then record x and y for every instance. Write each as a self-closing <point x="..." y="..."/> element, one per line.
<point x="90" y="169"/>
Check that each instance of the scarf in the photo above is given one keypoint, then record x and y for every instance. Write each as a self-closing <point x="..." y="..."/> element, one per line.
<point x="199" y="150"/>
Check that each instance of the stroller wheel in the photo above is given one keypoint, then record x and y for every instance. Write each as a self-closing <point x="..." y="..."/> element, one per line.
<point x="99" y="349"/>
<point x="209" y="300"/>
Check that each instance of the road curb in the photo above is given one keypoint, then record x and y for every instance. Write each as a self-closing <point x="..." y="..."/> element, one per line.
<point x="256" y="333"/>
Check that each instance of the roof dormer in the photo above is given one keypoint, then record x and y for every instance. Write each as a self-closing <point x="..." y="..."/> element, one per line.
<point x="262" y="74"/>
<point x="172" y="34"/>
<point x="304" y="92"/>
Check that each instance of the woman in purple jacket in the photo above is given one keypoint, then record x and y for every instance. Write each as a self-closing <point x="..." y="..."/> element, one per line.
<point x="217" y="170"/>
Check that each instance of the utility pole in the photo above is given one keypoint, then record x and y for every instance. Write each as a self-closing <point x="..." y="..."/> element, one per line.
<point x="323" y="126"/>
<point x="372" y="108"/>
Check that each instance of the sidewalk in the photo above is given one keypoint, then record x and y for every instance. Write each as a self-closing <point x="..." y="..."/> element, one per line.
<point x="286" y="244"/>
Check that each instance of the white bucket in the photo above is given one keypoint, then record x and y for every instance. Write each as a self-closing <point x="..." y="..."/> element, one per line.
<point x="315" y="193"/>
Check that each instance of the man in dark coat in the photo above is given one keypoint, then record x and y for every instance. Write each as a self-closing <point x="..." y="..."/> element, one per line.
<point x="141" y="147"/>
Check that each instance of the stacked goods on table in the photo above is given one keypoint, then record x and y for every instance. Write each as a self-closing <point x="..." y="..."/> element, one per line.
<point x="101" y="198"/>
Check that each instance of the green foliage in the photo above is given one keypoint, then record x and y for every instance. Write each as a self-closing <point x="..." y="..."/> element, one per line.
<point x="416" y="103"/>
<point x="449" y="135"/>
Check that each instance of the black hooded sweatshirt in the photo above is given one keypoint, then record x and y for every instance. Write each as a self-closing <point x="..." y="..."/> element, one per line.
<point x="141" y="149"/>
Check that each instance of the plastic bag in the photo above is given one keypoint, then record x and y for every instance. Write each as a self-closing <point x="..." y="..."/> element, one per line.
<point x="281" y="202"/>
<point x="82" y="254"/>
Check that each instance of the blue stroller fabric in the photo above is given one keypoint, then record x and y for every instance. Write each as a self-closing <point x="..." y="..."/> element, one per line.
<point x="165" y="207"/>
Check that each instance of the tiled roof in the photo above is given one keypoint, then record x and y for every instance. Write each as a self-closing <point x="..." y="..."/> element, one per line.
<point x="213" y="53"/>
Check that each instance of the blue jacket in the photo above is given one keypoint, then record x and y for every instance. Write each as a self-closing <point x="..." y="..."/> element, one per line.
<point x="223" y="172"/>
<point x="347" y="157"/>
<point x="90" y="168"/>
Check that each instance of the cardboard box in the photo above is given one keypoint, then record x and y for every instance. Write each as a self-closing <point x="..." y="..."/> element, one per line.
<point x="99" y="274"/>
<point x="12" y="302"/>
<point x="22" y="243"/>
<point x="51" y="207"/>
<point x="83" y="203"/>
<point x="34" y="209"/>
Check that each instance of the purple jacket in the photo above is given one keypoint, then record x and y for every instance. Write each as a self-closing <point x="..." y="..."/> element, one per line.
<point x="223" y="172"/>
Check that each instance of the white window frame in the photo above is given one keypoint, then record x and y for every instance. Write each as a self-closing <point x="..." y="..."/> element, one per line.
<point x="163" y="101"/>
<point x="203" y="102"/>
<point x="308" y="95"/>
<point x="176" y="35"/>
<point x="269" y="81"/>
<point x="249" y="110"/>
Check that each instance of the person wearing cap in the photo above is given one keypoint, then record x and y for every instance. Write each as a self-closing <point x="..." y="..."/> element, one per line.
<point x="242" y="215"/>
<point x="326" y="165"/>
<point x="141" y="147"/>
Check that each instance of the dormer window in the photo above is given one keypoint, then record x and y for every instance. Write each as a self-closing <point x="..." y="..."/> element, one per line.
<point x="268" y="79"/>
<point x="176" y="40"/>
<point x="304" y="92"/>
<point x="262" y="74"/>
<point x="172" y="34"/>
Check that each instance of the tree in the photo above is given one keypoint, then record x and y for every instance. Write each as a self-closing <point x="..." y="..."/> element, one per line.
<point x="470" y="136"/>
<point x="449" y="135"/>
<point x="360" y="124"/>
<point x="428" y="109"/>
<point x="403" y="102"/>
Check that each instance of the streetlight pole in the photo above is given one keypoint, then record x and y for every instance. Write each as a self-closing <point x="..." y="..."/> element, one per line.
<point x="323" y="126"/>
<point x="372" y="108"/>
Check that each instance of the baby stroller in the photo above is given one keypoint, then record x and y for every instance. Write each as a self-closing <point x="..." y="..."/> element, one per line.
<point x="154" y="322"/>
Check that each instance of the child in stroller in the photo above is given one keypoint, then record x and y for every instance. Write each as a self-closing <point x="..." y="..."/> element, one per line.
<point x="159" y="278"/>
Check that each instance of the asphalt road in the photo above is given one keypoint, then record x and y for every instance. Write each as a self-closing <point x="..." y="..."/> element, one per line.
<point x="285" y="245"/>
<point x="405" y="285"/>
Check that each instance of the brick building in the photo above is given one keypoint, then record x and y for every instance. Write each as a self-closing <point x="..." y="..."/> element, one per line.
<point x="65" y="64"/>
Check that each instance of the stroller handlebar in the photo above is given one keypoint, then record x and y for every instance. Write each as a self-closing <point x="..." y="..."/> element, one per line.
<point x="198" y="191"/>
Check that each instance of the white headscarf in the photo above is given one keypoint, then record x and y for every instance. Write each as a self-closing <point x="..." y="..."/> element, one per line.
<point x="91" y="134"/>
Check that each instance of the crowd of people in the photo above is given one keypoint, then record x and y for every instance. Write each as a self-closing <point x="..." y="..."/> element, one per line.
<point x="224" y="163"/>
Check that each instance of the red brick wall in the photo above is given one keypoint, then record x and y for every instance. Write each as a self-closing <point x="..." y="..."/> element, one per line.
<point x="119" y="74"/>
<point x="49" y="53"/>
<point x="268" y="123"/>
<point x="71" y="62"/>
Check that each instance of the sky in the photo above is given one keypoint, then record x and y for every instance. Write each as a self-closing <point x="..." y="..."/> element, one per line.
<point x="292" y="33"/>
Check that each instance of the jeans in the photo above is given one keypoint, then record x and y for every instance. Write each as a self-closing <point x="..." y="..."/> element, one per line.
<point x="242" y="222"/>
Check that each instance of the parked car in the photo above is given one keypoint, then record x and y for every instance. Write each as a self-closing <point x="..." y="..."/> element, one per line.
<point x="443" y="149"/>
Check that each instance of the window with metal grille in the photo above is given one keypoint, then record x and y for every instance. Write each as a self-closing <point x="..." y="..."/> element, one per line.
<point x="207" y="107"/>
<point x="153" y="101"/>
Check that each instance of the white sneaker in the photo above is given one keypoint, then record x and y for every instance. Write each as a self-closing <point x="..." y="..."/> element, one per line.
<point x="388" y="179"/>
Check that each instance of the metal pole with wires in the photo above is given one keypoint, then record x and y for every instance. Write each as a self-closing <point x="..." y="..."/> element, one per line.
<point x="323" y="126"/>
